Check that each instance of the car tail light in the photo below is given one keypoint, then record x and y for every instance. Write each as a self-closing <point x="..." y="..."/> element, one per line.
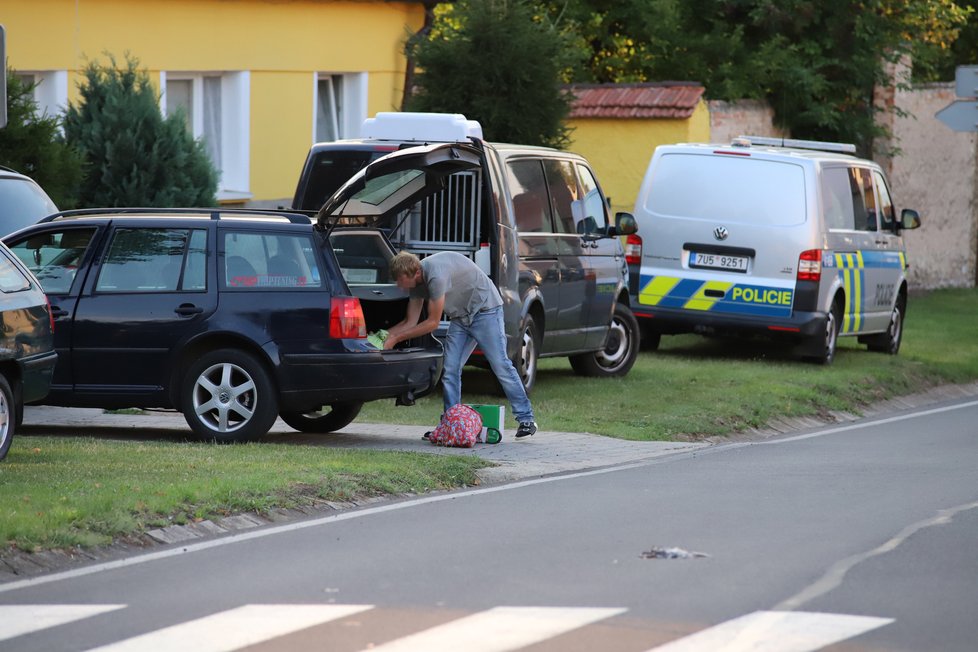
<point x="633" y="250"/>
<point x="810" y="265"/>
<point x="346" y="319"/>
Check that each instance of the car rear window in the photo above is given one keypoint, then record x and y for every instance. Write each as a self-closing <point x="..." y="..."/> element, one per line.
<point x="11" y="278"/>
<point x="729" y="188"/>
<point x="22" y="203"/>
<point x="265" y="261"/>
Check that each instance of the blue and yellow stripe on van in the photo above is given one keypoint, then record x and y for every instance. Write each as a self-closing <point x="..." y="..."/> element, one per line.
<point x="852" y="274"/>
<point x="715" y="296"/>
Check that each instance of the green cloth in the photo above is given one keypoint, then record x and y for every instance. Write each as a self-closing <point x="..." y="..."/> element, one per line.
<point x="377" y="339"/>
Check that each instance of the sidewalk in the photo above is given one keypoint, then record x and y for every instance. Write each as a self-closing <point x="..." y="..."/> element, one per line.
<point x="544" y="453"/>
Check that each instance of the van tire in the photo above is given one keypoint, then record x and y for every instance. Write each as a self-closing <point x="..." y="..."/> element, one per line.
<point x="528" y="354"/>
<point x="621" y="348"/>
<point x="828" y="341"/>
<point x="328" y="418"/>
<point x="889" y="342"/>
<point x="217" y="381"/>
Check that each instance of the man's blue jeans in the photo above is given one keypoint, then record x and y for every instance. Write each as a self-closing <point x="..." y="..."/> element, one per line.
<point x="487" y="332"/>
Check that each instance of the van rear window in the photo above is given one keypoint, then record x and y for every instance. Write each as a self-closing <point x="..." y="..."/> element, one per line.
<point x="728" y="188"/>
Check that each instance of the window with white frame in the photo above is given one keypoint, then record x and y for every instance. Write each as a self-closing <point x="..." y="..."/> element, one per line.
<point x="50" y="90"/>
<point x="340" y="105"/>
<point x="217" y="109"/>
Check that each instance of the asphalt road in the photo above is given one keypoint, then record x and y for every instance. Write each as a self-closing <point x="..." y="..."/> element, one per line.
<point x="853" y="537"/>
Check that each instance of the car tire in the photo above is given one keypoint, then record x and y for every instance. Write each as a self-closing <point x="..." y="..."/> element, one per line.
<point x="529" y="353"/>
<point x="827" y="342"/>
<point x="620" y="351"/>
<point x="889" y="342"/>
<point x="229" y="396"/>
<point x="8" y="416"/>
<point x="328" y="418"/>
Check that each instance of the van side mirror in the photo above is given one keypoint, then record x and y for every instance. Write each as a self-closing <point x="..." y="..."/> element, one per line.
<point x="625" y="224"/>
<point x="909" y="219"/>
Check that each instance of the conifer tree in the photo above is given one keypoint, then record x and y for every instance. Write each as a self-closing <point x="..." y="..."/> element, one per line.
<point x="135" y="156"/>
<point x="33" y="144"/>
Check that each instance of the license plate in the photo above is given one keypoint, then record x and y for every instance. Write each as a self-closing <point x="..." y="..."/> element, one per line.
<point x="360" y="275"/>
<point x="718" y="261"/>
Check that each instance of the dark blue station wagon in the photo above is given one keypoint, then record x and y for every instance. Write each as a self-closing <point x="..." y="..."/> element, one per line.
<point x="231" y="317"/>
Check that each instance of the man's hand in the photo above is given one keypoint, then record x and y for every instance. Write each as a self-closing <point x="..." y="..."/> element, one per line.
<point x="390" y="342"/>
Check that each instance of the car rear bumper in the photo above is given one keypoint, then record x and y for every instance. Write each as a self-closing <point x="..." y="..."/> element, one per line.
<point x="800" y="324"/>
<point x="310" y="380"/>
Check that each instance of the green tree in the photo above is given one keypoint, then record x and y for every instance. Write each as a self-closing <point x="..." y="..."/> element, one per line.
<point x="500" y="62"/>
<point x="815" y="61"/>
<point x="135" y="156"/>
<point x="33" y="144"/>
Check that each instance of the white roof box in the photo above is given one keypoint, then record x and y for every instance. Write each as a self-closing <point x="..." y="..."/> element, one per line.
<point x="427" y="127"/>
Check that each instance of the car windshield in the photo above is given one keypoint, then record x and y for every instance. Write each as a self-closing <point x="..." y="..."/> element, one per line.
<point x="22" y="203"/>
<point x="730" y="188"/>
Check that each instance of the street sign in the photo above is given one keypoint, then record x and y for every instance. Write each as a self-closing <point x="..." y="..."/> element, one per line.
<point x="960" y="115"/>
<point x="966" y="81"/>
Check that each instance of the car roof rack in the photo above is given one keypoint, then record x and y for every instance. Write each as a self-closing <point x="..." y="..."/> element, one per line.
<point x="821" y="145"/>
<point x="293" y="216"/>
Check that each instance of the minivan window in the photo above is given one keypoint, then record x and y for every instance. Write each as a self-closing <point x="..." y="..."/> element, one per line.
<point x="887" y="214"/>
<point x="563" y="192"/>
<point x="728" y="188"/>
<point x="595" y="215"/>
<point x="849" y="202"/>
<point x="531" y="203"/>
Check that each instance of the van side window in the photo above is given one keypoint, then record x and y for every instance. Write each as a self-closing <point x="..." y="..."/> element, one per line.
<point x="531" y="203"/>
<point x="887" y="214"/>
<point x="595" y="211"/>
<point x="863" y="199"/>
<point x="837" y="199"/>
<point x="564" y="193"/>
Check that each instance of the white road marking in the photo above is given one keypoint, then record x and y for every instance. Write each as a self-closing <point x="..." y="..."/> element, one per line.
<point x="16" y="620"/>
<point x="498" y="630"/>
<point x="775" y="631"/>
<point x="234" y="629"/>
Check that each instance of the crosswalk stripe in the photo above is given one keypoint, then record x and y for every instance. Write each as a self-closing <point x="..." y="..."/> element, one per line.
<point x="236" y="628"/>
<point x="775" y="631"/>
<point x="498" y="629"/>
<point x="16" y="620"/>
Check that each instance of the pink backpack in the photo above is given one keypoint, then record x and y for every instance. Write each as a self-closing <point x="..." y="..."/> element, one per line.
<point x="460" y="426"/>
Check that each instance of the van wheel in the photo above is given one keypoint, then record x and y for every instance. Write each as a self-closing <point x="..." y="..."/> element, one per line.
<point x="228" y="396"/>
<point x="327" y="418"/>
<point x="828" y="340"/>
<point x="620" y="349"/>
<point x="889" y="342"/>
<point x="8" y="416"/>
<point x="529" y="353"/>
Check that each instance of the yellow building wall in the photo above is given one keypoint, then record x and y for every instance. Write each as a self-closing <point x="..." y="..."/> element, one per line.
<point x="620" y="149"/>
<point x="283" y="43"/>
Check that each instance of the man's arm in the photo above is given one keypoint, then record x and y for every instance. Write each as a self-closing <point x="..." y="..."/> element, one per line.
<point x="410" y="318"/>
<point x="406" y="331"/>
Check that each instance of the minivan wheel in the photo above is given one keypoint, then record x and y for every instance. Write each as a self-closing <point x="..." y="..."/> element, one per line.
<point x="8" y="416"/>
<point x="228" y="396"/>
<point x="829" y="339"/>
<point x="889" y="342"/>
<point x="528" y="354"/>
<point x="620" y="349"/>
<point x="327" y="418"/>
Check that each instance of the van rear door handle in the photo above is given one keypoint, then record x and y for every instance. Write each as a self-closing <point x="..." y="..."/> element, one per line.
<point x="188" y="309"/>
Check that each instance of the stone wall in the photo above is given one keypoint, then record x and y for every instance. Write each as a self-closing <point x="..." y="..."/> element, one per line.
<point x="933" y="170"/>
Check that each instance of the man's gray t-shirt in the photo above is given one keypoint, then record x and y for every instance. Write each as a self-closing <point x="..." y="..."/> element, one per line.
<point x="466" y="288"/>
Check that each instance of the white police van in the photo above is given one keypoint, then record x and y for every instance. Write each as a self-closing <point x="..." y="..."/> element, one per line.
<point x="788" y="238"/>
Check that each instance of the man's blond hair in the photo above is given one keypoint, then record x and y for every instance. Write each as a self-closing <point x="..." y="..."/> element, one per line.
<point x="404" y="264"/>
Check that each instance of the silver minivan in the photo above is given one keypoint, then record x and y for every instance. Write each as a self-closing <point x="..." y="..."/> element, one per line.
<point x="789" y="238"/>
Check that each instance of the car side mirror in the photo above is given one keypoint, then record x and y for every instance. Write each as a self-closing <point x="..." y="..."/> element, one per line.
<point x="625" y="224"/>
<point x="909" y="219"/>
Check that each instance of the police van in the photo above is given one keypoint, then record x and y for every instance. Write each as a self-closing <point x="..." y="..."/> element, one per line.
<point x="789" y="238"/>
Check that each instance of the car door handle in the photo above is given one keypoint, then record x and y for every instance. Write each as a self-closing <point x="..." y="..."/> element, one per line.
<point x="188" y="309"/>
<point x="57" y="312"/>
